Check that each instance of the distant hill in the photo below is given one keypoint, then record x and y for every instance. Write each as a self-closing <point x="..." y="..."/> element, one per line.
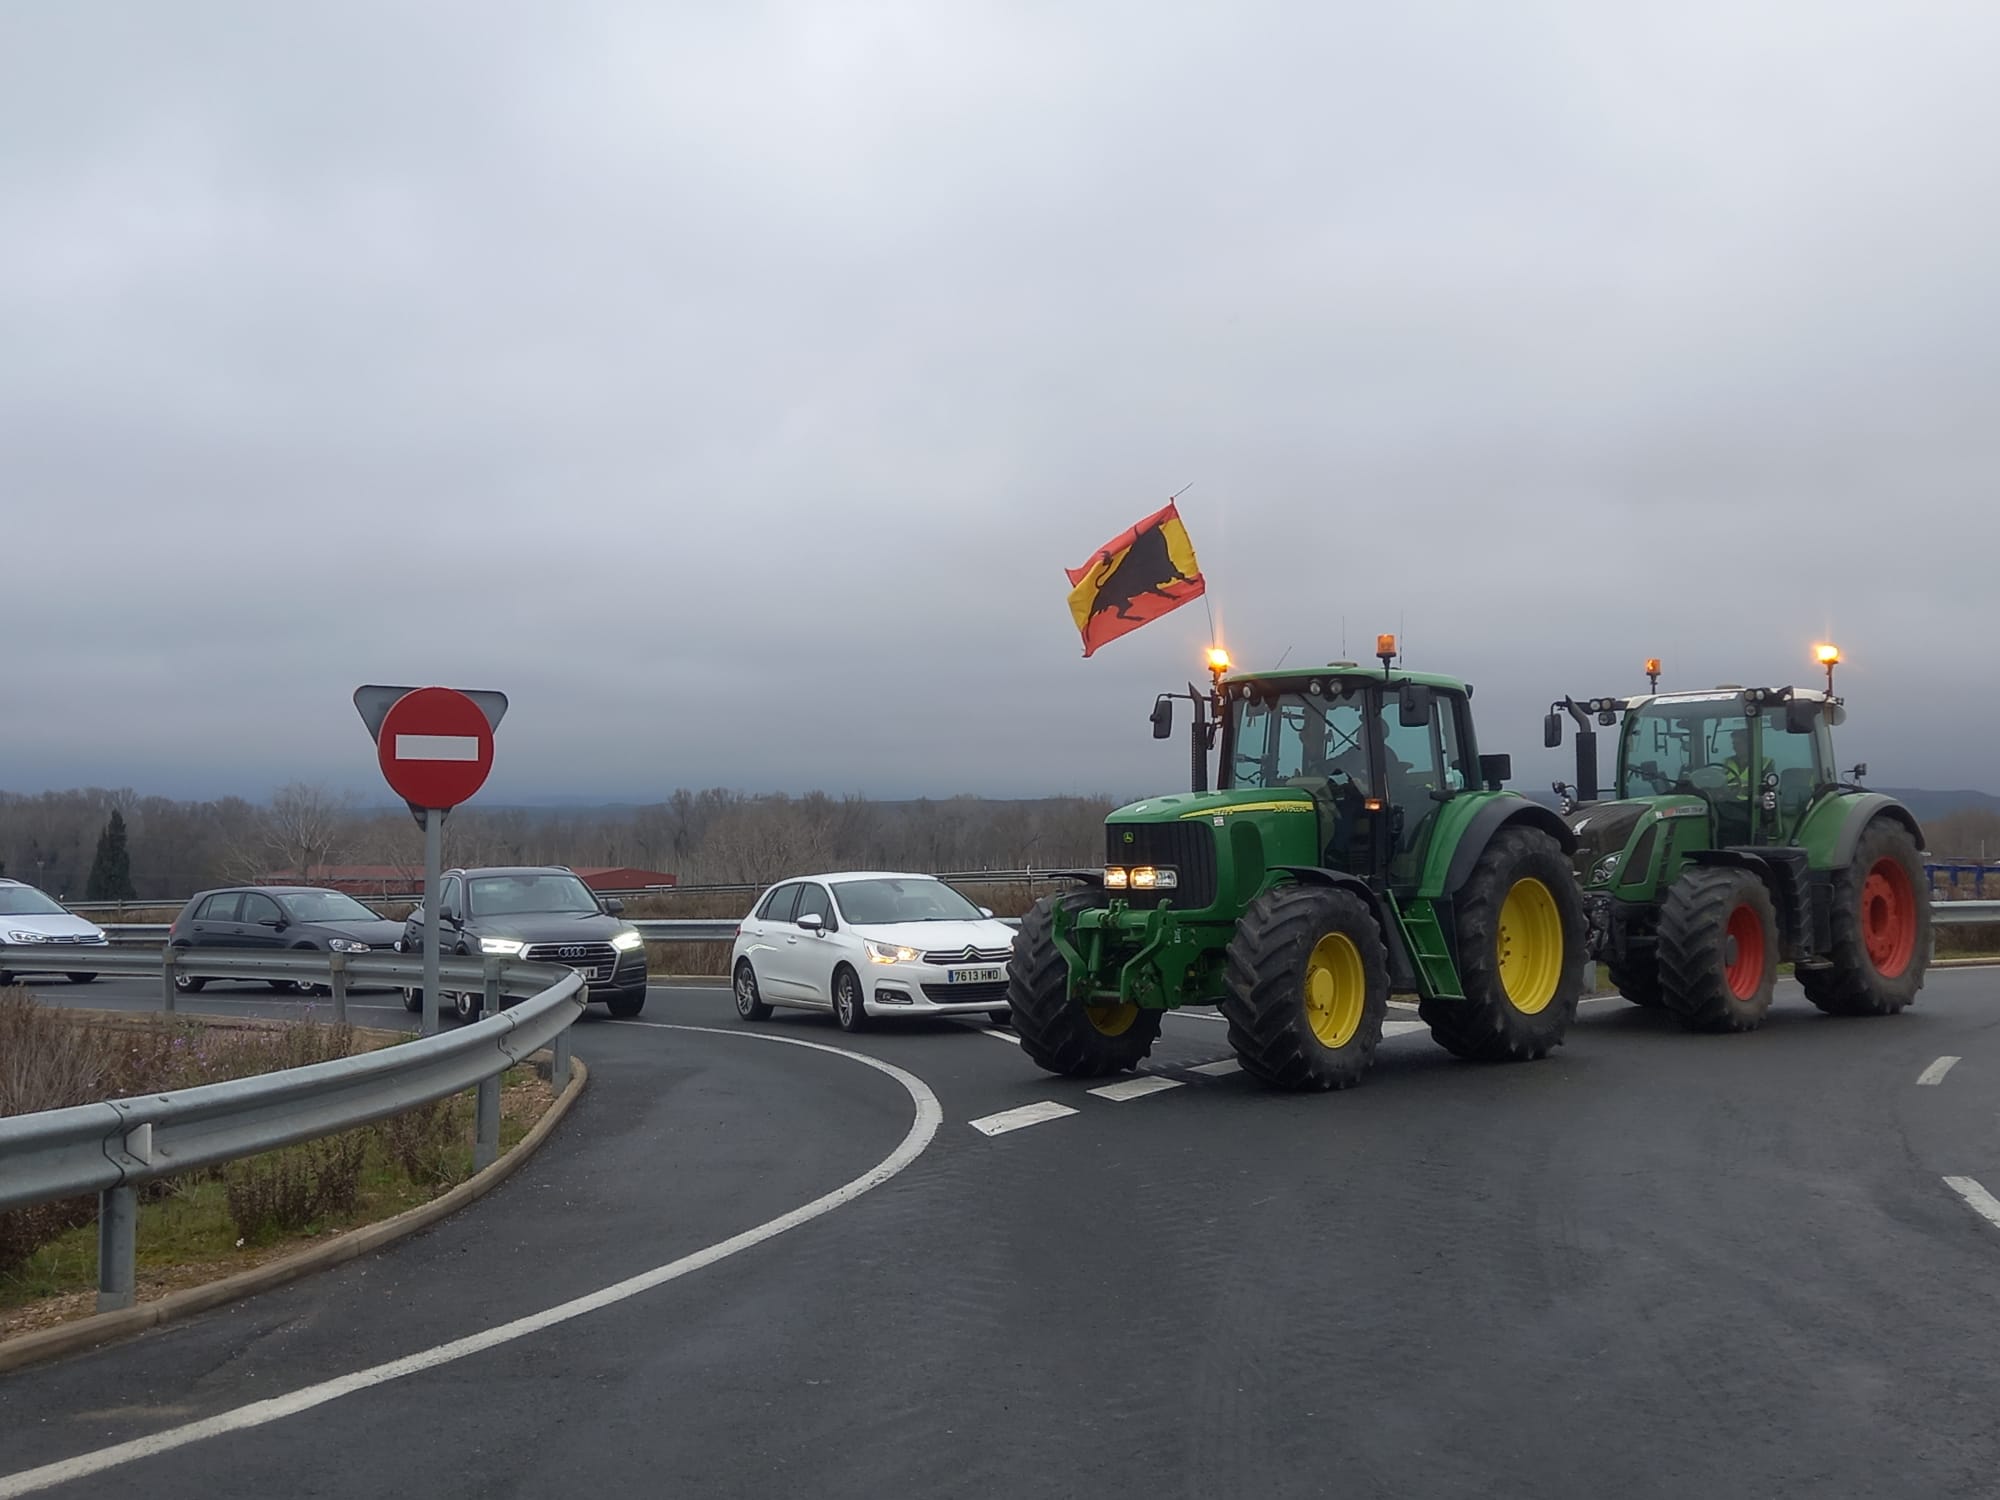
<point x="1938" y="804"/>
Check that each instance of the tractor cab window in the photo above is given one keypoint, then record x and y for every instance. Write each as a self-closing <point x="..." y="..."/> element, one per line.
<point x="1685" y="747"/>
<point x="1298" y="739"/>
<point x="1796" y="760"/>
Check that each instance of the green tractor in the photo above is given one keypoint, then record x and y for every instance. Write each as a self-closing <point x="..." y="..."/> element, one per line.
<point x="1730" y="842"/>
<point x="1356" y="843"/>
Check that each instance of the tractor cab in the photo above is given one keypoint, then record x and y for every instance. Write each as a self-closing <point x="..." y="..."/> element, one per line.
<point x="1757" y="756"/>
<point x="1378" y="755"/>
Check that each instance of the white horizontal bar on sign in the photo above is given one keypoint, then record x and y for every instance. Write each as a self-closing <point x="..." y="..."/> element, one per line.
<point x="437" y="747"/>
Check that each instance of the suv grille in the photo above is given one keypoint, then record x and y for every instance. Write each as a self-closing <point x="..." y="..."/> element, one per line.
<point x="595" y="959"/>
<point x="1188" y="846"/>
<point x="944" y="957"/>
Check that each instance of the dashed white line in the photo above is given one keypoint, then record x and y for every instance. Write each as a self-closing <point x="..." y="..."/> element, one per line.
<point x="259" y="1413"/>
<point x="1981" y="1202"/>
<point x="1136" y="1088"/>
<point x="1932" y="1076"/>
<point x="1017" y="1119"/>
<point x="1403" y="1028"/>
<point x="1217" y="1069"/>
<point x="1000" y="1036"/>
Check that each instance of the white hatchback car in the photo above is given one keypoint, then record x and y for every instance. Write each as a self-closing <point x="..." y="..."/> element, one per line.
<point x="869" y="944"/>
<point x="57" y="941"/>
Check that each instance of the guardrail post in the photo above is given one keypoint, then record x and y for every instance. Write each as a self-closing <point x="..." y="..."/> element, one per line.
<point x="491" y="1003"/>
<point x="559" y="1067"/>
<point x="167" y="961"/>
<point x="117" y="1248"/>
<point x="338" y="981"/>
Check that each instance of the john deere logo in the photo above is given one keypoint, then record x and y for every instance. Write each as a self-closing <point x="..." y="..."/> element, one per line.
<point x="1128" y="836"/>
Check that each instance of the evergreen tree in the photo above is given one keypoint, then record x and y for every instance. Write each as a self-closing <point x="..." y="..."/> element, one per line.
<point x="111" y="868"/>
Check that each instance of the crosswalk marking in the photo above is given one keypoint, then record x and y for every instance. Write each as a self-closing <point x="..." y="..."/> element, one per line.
<point x="1015" y="1119"/>
<point x="1136" y="1088"/>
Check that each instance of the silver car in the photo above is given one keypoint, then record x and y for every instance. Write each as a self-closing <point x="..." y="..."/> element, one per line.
<point x="61" y="942"/>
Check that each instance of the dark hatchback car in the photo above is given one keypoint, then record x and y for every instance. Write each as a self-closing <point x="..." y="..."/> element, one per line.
<point x="543" y="913"/>
<point x="273" y="917"/>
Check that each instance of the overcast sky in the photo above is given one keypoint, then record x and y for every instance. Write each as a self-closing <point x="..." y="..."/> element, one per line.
<point x="731" y="385"/>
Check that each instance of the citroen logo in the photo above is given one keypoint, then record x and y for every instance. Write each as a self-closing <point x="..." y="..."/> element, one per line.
<point x="970" y="953"/>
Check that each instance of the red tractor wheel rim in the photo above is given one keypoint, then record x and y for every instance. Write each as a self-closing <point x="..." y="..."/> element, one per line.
<point x="1889" y="918"/>
<point x="1745" y="974"/>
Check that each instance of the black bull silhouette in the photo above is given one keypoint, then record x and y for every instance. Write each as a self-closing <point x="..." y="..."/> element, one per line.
<point x="1146" y="568"/>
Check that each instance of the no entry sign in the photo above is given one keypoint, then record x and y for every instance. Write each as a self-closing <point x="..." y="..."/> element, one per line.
<point x="435" y="747"/>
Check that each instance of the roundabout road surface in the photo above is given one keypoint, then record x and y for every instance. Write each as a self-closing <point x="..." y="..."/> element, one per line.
<point x="1655" y="1264"/>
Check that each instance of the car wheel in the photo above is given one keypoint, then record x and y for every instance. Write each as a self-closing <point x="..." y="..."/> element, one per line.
<point x="465" y="1004"/>
<point x="189" y="984"/>
<point x="5" y="977"/>
<point x="848" y="1010"/>
<point x="283" y="986"/>
<point x="413" y="1000"/>
<point x="626" y="1003"/>
<point x="749" y="999"/>
<point x="80" y="978"/>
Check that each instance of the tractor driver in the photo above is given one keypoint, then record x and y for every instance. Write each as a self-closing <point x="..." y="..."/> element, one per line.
<point x="1738" y="773"/>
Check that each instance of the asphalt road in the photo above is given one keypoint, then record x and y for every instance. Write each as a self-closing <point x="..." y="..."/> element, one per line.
<point x="1653" y="1265"/>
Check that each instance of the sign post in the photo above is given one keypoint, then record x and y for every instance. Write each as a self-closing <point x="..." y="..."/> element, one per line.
<point x="435" y="747"/>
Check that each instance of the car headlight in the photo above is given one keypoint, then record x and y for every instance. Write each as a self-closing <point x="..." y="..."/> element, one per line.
<point x="1605" y="868"/>
<point x="346" y="945"/>
<point x="25" y="937"/>
<point x="505" y="947"/>
<point x="890" y="953"/>
<point x="625" y="942"/>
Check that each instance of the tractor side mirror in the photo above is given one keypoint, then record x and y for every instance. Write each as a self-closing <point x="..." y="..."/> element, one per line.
<point x="1495" y="769"/>
<point x="1413" y="706"/>
<point x="1860" y="770"/>
<point x="1586" y="765"/>
<point x="1552" y="730"/>
<point x="1799" y="716"/>
<point x="1163" y="717"/>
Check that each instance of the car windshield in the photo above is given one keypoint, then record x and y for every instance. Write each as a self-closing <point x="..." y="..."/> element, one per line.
<point x="26" y="901"/>
<point x="503" y="895"/>
<point x="866" y="902"/>
<point x="328" y="906"/>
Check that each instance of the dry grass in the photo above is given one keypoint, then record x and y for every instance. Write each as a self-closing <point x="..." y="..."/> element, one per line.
<point x="216" y="1220"/>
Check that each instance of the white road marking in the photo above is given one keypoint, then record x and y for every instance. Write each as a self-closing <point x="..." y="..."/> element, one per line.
<point x="999" y="1035"/>
<point x="1197" y="1015"/>
<point x="1982" y="1202"/>
<point x="1934" y="1075"/>
<point x="1017" y="1119"/>
<point x="1402" y="1028"/>
<point x="1402" y="1005"/>
<point x="1217" y="1069"/>
<point x="923" y="1129"/>
<point x="437" y="747"/>
<point x="1136" y="1088"/>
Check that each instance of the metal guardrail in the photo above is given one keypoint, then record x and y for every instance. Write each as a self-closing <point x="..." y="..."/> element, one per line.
<point x="112" y="1148"/>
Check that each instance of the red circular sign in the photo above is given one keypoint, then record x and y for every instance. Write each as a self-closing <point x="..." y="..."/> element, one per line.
<point x="435" y="747"/>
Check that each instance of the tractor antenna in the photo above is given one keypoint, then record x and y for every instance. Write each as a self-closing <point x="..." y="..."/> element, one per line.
<point x="1281" y="657"/>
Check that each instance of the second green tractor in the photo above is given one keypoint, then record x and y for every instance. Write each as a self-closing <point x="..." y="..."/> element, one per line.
<point x="1355" y="843"/>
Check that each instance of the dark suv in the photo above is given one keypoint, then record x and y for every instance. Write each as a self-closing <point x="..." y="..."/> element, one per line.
<point x="544" y="913"/>
<point x="272" y="917"/>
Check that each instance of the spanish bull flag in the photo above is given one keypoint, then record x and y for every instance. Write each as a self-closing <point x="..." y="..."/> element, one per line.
<point x="1135" y="578"/>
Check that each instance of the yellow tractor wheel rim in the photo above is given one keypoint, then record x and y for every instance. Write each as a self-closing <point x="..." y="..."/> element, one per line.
<point x="1531" y="946"/>
<point x="1111" y="1020"/>
<point x="1336" y="990"/>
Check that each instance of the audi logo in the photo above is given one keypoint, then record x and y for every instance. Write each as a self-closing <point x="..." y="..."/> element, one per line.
<point x="572" y="951"/>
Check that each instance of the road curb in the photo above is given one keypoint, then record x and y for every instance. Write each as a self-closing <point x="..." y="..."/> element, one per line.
<point x="101" y="1328"/>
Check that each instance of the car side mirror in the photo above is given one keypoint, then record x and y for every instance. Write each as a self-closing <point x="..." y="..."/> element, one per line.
<point x="1495" y="769"/>
<point x="985" y="911"/>
<point x="1163" y="717"/>
<point x="613" y="906"/>
<point x="1552" y="731"/>
<point x="1413" y="706"/>
<point x="811" y="924"/>
<point x="276" y="924"/>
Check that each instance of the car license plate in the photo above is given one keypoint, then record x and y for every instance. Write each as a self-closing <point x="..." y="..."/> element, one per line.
<point x="974" y="976"/>
<point x="598" y="971"/>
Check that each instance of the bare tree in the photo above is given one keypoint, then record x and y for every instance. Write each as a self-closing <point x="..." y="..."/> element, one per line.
<point x="306" y="829"/>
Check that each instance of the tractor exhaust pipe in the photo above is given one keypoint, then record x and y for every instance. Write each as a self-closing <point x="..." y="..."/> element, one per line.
<point x="1198" y="741"/>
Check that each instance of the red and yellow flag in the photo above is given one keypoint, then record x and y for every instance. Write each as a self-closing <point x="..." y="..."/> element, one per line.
<point x="1135" y="578"/>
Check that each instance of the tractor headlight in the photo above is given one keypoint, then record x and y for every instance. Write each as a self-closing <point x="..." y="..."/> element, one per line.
<point x="627" y="940"/>
<point x="1116" y="878"/>
<point x="889" y="953"/>
<point x="1148" y="878"/>
<point x="1605" y="868"/>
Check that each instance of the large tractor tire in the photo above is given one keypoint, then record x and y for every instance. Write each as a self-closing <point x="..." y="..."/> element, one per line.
<point x="1520" y="953"/>
<point x="1079" y="1041"/>
<point x="1307" y="988"/>
<point x="1718" y="949"/>
<point x="1881" y="928"/>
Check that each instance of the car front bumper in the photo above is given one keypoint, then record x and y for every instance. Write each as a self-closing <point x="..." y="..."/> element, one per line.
<point x="927" y="990"/>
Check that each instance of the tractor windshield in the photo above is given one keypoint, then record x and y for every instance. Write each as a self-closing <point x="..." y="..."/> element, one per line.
<point x="1294" y="738"/>
<point x="1700" y="744"/>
